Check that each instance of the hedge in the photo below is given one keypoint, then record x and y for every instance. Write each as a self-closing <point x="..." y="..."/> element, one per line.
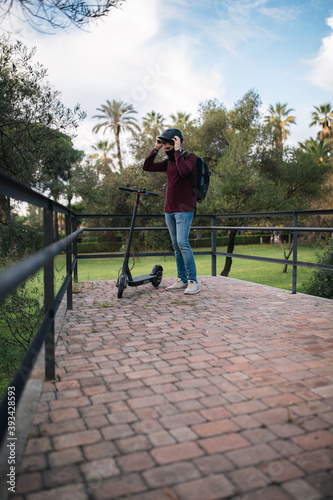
<point x="222" y="241"/>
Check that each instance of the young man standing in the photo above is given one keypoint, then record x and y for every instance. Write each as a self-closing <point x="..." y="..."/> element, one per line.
<point x="180" y="204"/>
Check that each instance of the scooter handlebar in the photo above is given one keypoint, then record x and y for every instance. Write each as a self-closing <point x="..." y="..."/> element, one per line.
<point x="139" y="191"/>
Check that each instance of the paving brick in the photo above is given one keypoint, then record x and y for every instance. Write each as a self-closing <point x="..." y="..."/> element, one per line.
<point x="161" y="438"/>
<point x="29" y="482"/>
<point x="215" y="428"/>
<point x="314" y="461"/>
<point x="76" y="439"/>
<point x="32" y="463"/>
<point x="210" y="488"/>
<point x="302" y="490"/>
<point x="323" y="482"/>
<point x="65" y="414"/>
<point x="99" y="469"/>
<point x="253" y="455"/>
<point x="183" y="434"/>
<point x="213" y="464"/>
<point x="314" y="440"/>
<point x="220" y="444"/>
<point x="248" y="479"/>
<point x="176" y="452"/>
<point x="65" y="457"/>
<point x="258" y="435"/>
<point x="135" y="462"/>
<point x="61" y="476"/>
<point x="71" y="491"/>
<point x="281" y="470"/>
<point x="179" y="420"/>
<point x="276" y="416"/>
<point x="118" y="486"/>
<point x="133" y="444"/>
<point x="38" y="445"/>
<point x="171" y="474"/>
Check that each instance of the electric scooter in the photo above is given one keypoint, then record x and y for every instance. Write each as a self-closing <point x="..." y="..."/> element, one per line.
<point x="125" y="278"/>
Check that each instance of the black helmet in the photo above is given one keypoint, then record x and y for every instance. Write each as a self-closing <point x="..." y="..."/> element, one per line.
<point x="170" y="133"/>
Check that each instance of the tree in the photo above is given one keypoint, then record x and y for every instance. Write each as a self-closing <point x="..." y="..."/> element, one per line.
<point x="153" y="124"/>
<point x="279" y="120"/>
<point x="118" y="117"/>
<point x="319" y="151"/>
<point x="323" y="116"/>
<point x="43" y="14"/>
<point x="103" y="161"/>
<point x="31" y="114"/>
<point x="181" y="120"/>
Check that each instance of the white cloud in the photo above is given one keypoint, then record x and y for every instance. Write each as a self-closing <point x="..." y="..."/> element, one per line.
<point x="322" y="65"/>
<point x="126" y="56"/>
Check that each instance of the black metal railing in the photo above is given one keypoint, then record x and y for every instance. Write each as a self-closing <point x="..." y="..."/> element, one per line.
<point x="11" y="277"/>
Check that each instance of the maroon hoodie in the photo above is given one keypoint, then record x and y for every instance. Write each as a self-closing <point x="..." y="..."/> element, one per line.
<point x="179" y="196"/>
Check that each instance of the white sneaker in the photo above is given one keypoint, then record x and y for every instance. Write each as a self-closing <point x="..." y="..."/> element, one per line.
<point x="179" y="285"/>
<point x="192" y="288"/>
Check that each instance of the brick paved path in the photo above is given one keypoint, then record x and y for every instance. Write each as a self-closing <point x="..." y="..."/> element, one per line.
<point x="161" y="396"/>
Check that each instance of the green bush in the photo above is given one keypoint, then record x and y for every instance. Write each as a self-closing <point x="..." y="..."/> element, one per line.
<point x="99" y="246"/>
<point x="222" y="241"/>
<point x="321" y="282"/>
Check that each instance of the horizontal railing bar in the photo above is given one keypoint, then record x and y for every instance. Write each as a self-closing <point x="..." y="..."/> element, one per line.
<point x="216" y="228"/>
<point x="274" y="214"/>
<point x="220" y="216"/>
<point x="15" y="189"/>
<point x="121" y="255"/>
<point x="277" y="229"/>
<point x="277" y="261"/>
<point x="13" y="276"/>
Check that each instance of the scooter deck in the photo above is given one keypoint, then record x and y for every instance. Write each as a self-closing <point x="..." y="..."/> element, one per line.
<point x="141" y="280"/>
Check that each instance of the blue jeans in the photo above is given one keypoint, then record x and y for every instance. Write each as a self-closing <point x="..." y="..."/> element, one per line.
<point x="179" y="224"/>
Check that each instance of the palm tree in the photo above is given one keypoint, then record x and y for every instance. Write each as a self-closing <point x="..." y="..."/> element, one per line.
<point x="117" y="116"/>
<point x="325" y="120"/>
<point x="279" y="121"/>
<point x="320" y="152"/>
<point x="181" y="120"/>
<point x="103" y="160"/>
<point x="153" y="123"/>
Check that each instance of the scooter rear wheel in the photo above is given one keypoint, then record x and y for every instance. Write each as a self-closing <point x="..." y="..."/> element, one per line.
<point x="158" y="271"/>
<point x="121" y="287"/>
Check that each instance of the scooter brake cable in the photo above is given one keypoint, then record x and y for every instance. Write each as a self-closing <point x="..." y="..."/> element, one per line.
<point x="133" y="259"/>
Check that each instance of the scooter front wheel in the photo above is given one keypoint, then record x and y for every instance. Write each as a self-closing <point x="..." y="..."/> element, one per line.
<point x="121" y="287"/>
<point x="158" y="271"/>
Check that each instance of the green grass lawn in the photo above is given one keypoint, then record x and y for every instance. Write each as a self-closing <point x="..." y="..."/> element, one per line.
<point x="248" y="270"/>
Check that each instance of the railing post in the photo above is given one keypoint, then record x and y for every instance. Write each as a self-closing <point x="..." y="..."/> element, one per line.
<point x="295" y="235"/>
<point x="49" y="345"/>
<point x="213" y="237"/>
<point x="75" y="249"/>
<point x="69" y="264"/>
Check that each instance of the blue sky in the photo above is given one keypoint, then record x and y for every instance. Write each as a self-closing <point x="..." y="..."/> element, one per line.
<point x="170" y="56"/>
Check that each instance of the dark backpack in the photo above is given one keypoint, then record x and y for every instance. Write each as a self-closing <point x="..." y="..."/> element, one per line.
<point x="200" y="188"/>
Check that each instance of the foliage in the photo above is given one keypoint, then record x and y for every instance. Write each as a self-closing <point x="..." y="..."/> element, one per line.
<point x="19" y="237"/>
<point x="20" y="317"/>
<point x="118" y="117"/>
<point x="279" y="120"/>
<point x="46" y="14"/>
<point x="321" y="281"/>
<point x="319" y="151"/>
<point x="323" y="116"/>
<point x="30" y="114"/>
